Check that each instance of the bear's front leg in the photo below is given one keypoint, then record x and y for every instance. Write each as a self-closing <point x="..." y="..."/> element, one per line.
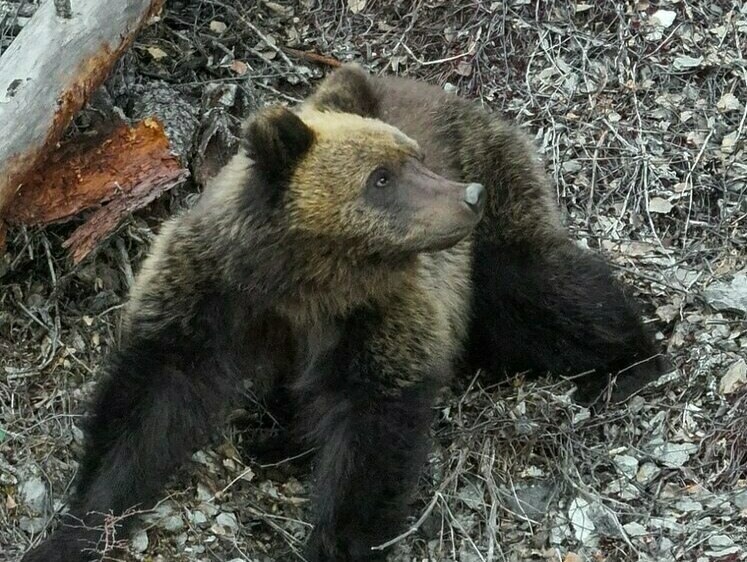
<point x="369" y="414"/>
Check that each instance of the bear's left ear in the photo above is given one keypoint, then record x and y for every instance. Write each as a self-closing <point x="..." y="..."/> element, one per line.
<point x="349" y="89"/>
<point x="276" y="140"/>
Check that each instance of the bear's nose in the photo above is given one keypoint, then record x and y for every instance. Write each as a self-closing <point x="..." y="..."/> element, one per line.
<point x="474" y="196"/>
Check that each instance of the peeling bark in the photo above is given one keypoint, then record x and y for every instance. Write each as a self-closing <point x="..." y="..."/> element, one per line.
<point x="124" y="170"/>
<point x="48" y="73"/>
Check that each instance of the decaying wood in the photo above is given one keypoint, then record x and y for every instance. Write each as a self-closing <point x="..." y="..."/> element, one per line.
<point x="124" y="170"/>
<point x="50" y="70"/>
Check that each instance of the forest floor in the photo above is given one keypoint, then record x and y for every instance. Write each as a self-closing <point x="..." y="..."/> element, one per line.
<point x="639" y="110"/>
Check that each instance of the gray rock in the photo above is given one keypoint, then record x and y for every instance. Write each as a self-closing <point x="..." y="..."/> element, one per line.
<point x="740" y="499"/>
<point x="34" y="494"/>
<point x="198" y="519"/>
<point x="225" y="524"/>
<point x="674" y="455"/>
<point x="735" y="378"/>
<point x="688" y="505"/>
<point x="139" y="541"/>
<point x="471" y="495"/>
<point x="172" y="523"/>
<point x="580" y="516"/>
<point x="728" y="295"/>
<point x="720" y="541"/>
<point x="32" y="525"/>
<point x="531" y="502"/>
<point x="634" y="529"/>
<point x="647" y="472"/>
<point x="724" y="552"/>
<point x="626" y="464"/>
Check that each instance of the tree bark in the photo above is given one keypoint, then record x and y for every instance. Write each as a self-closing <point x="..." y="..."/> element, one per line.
<point x="50" y="70"/>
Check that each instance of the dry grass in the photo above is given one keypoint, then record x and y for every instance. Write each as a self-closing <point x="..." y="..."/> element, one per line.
<point x="643" y="131"/>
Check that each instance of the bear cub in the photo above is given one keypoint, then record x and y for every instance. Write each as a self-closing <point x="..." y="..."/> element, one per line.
<point x="355" y="251"/>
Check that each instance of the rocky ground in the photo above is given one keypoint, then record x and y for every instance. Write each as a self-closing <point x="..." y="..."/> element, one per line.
<point x="639" y="109"/>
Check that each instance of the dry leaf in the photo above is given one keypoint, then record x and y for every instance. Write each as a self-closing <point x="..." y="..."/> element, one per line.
<point x="735" y="378"/>
<point x="239" y="67"/>
<point x="659" y="205"/>
<point x="356" y="6"/>
<point x="218" y="26"/>
<point x="282" y="11"/>
<point x="728" y="102"/>
<point x="156" y="53"/>
<point x="663" y="18"/>
<point x="728" y="143"/>
<point x="683" y="62"/>
<point x="464" y="68"/>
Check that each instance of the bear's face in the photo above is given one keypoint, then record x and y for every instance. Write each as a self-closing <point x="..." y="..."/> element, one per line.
<point x="360" y="182"/>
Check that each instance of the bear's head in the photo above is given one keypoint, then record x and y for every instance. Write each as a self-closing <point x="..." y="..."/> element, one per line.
<point x="358" y="183"/>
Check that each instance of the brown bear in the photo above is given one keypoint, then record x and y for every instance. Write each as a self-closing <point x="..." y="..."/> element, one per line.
<point x="357" y="248"/>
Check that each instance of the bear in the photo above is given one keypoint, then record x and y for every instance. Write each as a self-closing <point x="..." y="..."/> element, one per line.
<point x="359" y="251"/>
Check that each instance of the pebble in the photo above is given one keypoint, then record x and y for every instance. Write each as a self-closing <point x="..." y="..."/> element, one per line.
<point x="634" y="529"/>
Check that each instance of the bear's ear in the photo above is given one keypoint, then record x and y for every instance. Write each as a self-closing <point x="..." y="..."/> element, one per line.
<point x="276" y="139"/>
<point x="349" y="90"/>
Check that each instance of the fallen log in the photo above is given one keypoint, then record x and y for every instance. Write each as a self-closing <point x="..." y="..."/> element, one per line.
<point x="48" y="73"/>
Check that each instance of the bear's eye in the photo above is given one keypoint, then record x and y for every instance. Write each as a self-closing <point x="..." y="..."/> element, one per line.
<point x="381" y="177"/>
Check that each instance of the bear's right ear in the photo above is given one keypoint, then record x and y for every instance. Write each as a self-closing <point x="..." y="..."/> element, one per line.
<point x="276" y="139"/>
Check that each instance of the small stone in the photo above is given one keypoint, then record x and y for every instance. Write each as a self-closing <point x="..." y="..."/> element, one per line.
<point x="225" y="524"/>
<point x="579" y="513"/>
<point x="203" y="493"/>
<point x="33" y="525"/>
<point x="140" y="541"/>
<point x="720" y="541"/>
<point x="634" y="529"/>
<point x="731" y="295"/>
<point x="218" y="26"/>
<point x="667" y="523"/>
<point x="531" y="502"/>
<point x="198" y="519"/>
<point x="728" y="102"/>
<point x="688" y="506"/>
<point x="627" y="465"/>
<point x="647" y="473"/>
<point x="659" y="205"/>
<point x="663" y="18"/>
<point x="572" y="557"/>
<point x="740" y="499"/>
<point x="724" y="552"/>
<point x="172" y="523"/>
<point x="675" y="455"/>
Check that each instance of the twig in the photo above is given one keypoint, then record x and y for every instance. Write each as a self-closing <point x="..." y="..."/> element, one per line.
<point x="313" y="57"/>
